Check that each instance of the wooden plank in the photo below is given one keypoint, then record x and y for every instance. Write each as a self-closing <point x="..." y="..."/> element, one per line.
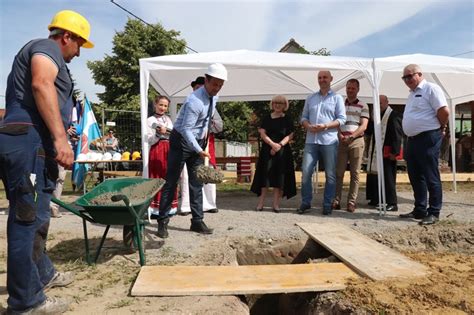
<point x="231" y="280"/>
<point x="364" y="255"/>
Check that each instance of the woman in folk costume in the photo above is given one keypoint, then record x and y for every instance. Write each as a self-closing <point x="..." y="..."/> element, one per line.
<point x="392" y="136"/>
<point x="159" y="127"/>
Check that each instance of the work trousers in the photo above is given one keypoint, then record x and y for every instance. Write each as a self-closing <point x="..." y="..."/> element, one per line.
<point x="29" y="177"/>
<point x="181" y="153"/>
<point x="422" y="154"/>
<point x="352" y="152"/>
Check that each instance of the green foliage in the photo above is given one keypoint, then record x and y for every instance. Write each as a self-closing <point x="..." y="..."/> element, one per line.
<point x="119" y="73"/>
<point x="236" y="117"/>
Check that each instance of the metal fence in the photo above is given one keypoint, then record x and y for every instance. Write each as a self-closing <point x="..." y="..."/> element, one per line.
<point x="126" y="124"/>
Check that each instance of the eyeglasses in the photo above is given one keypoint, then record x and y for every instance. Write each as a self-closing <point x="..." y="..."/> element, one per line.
<point x="408" y="77"/>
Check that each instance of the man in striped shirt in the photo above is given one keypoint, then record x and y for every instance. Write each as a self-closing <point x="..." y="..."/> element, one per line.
<point x="351" y="145"/>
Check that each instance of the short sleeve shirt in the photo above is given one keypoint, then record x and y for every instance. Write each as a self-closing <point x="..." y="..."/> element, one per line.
<point x="422" y="108"/>
<point x="19" y="79"/>
<point x="354" y="112"/>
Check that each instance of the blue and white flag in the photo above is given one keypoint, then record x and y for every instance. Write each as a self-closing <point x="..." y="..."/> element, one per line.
<point x="90" y="132"/>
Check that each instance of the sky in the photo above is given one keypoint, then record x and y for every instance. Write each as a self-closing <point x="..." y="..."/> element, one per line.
<point x="359" y="28"/>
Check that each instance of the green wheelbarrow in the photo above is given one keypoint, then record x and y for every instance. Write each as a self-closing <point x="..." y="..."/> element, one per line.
<point x="119" y="201"/>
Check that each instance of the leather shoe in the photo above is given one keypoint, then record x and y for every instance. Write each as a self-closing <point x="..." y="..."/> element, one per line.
<point x="351" y="207"/>
<point x="327" y="211"/>
<point x="276" y="210"/>
<point x="373" y="203"/>
<point x="215" y="210"/>
<point x="303" y="208"/>
<point x="429" y="219"/>
<point x="200" y="227"/>
<point x="184" y="213"/>
<point x="392" y="208"/>
<point x="335" y="205"/>
<point x="163" y="228"/>
<point x="413" y="215"/>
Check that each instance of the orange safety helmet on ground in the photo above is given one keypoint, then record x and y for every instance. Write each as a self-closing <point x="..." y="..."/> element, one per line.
<point x="136" y="156"/>
<point x="73" y="22"/>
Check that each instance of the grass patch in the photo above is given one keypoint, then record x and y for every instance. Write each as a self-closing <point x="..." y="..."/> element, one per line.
<point x="120" y="304"/>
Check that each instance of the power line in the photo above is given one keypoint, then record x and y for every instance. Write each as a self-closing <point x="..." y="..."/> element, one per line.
<point x="464" y="53"/>
<point x="145" y="22"/>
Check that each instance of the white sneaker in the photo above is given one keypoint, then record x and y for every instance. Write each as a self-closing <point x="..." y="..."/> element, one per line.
<point x="51" y="305"/>
<point x="60" y="279"/>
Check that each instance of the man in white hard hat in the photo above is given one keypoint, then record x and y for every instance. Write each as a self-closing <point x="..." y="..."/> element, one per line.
<point x="33" y="141"/>
<point x="187" y="142"/>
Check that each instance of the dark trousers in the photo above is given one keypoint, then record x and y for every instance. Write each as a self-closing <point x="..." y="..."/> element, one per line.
<point x="422" y="153"/>
<point x="29" y="177"/>
<point x="181" y="153"/>
<point x="390" y="178"/>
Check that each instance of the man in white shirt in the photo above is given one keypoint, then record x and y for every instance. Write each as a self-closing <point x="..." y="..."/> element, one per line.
<point x="424" y="122"/>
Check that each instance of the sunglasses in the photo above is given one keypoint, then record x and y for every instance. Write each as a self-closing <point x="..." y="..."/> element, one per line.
<point x="408" y="77"/>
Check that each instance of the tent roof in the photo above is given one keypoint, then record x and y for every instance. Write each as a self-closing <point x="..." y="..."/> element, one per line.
<point x="256" y="75"/>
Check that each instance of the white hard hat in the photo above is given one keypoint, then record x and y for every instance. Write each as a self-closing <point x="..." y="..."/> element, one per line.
<point x="81" y="157"/>
<point x="217" y="70"/>
<point x="117" y="156"/>
<point x="107" y="156"/>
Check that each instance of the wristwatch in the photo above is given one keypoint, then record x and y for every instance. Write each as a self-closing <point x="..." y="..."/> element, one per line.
<point x="325" y="127"/>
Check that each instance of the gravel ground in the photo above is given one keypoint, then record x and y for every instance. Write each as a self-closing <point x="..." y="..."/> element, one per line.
<point x="237" y="218"/>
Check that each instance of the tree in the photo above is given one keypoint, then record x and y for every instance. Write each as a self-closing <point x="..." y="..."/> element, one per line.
<point x="295" y="109"/>
<point x="119" y="73"/>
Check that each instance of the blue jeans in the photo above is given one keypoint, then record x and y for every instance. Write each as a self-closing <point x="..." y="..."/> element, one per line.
<point x="28" y="266"/>
<point x="422" y="154"/>
<point x="328" y="155"/>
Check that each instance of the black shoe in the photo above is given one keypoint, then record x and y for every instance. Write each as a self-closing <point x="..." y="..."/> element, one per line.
<point x="413" y="215"/>
<point x="373" y="203"/>
<point x="276" y="210"/>
<point x="200" y="227"/>
<point x="327" y="212"/>
<point x="303" y="208"/>
<point x="392" y="208"/>
<point x="163" y="228"/>
<point x="215" y="210"/>
<point x="184" y="213"/>
<point x="336" y="205"/>
<point x="429" y="219"/>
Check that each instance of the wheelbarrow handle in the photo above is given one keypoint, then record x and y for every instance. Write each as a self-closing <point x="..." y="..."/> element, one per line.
<point x="125" y="199"/>
<point x="71" y="209"/>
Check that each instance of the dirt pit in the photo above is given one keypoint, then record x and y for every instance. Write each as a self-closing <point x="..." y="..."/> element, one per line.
<point x="446" y="248"/>
<point x="448" y="289"/>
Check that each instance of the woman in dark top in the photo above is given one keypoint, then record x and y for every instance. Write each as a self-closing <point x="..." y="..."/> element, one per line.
<point x="275" y="164"/>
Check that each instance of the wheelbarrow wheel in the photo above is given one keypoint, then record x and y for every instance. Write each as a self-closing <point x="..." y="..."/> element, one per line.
<point x="128" y="241"/>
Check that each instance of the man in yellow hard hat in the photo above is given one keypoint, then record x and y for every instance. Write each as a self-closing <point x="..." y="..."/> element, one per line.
<point x="33" y="142"/>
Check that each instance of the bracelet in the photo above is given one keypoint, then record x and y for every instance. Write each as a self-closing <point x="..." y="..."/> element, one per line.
<point x="325" y="127"/>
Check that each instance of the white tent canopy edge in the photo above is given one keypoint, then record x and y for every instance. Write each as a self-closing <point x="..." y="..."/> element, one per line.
<point x="255" y="75"/>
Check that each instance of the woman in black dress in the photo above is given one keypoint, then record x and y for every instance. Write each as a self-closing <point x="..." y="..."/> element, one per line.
<point x="275" y="164"/>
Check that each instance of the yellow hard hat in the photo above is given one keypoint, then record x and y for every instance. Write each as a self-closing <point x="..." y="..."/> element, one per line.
<point x="126" y="156"/>
<point x="136" y="155"/>
<point x="73" y="22"/>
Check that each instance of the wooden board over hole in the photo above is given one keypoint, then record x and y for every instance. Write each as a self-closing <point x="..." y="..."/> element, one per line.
<point x="365" y="256"/>
<point x="233" y="280"/>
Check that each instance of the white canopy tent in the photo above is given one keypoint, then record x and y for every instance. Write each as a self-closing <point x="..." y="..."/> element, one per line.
<point x="255" y="75"/>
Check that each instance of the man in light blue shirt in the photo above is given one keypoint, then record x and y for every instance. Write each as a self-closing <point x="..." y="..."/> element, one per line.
<point x="323" y="113"/>
<point x="187" y="142"/>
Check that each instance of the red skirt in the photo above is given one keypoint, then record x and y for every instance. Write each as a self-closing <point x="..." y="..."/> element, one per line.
<point x="157" y="166"/>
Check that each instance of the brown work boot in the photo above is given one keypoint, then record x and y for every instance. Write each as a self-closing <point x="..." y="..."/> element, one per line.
<point x="351" y="207"/>
<point x="51" y="305"/>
